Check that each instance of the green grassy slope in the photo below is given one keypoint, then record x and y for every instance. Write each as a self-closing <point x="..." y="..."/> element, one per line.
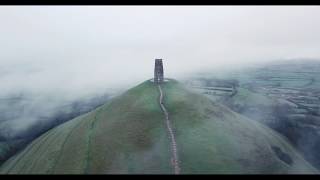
<point x="214" y="139"/>
<point x="128" y="135"/>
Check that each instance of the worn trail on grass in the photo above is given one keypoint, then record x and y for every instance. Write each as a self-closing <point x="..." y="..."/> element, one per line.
<point x="174" y="155"/>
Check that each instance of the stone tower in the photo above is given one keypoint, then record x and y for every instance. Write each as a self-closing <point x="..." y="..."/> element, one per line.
<point x="158" y="71"/>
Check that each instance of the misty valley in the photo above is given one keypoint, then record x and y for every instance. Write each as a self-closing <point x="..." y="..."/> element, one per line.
<point x="25" y="117"/>
<point x="284" y="96"/>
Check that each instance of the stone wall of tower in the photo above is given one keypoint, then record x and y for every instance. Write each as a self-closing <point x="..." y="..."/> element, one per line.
<point x="158" y="71"/>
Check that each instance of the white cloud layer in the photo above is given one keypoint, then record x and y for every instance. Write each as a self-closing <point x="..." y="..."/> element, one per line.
<point x="79" y="49"/>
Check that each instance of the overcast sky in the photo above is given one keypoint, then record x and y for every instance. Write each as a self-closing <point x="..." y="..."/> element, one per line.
<point x="80" y="49"/>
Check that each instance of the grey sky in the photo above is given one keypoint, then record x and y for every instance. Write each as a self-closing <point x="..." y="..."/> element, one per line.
<point x="79" y="49"/>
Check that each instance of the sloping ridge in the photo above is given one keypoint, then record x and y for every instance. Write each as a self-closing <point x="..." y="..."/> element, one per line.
<point x="128" y="135"/>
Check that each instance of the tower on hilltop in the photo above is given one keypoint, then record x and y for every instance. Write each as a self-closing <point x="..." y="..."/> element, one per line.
<point x="158" y="71"/>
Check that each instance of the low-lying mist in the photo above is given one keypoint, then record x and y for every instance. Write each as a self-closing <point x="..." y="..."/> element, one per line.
<point x="58" y="62"/>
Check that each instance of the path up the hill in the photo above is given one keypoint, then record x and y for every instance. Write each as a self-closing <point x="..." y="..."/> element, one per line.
<point x="174" y="156"/>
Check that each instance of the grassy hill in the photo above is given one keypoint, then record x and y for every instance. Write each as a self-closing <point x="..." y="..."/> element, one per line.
<point x="128" y="135"/>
